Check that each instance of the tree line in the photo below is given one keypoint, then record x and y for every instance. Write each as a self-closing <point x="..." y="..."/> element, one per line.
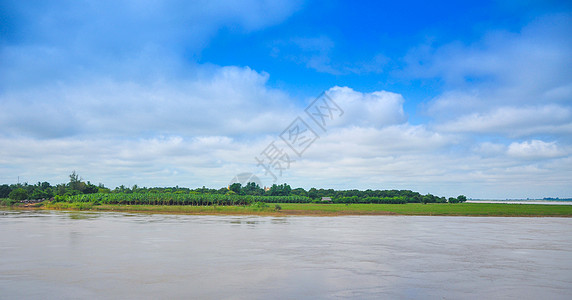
<point x="76" y="187"/>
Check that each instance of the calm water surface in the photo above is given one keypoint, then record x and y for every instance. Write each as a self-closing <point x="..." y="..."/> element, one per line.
<point x="64" y="255"/>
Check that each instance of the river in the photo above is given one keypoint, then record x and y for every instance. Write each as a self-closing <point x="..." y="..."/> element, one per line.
<point x="103" y="255"/>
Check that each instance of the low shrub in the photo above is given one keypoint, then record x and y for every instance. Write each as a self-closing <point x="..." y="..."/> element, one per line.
<point x="7" y="202"/>
<point x="258" y="206"/>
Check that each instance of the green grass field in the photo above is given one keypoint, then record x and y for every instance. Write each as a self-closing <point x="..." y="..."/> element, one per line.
<point x="461" y="209"/>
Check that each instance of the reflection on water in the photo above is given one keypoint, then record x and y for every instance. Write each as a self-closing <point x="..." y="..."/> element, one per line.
<point x="82" y="215"/>
<point x="55" y="255"/>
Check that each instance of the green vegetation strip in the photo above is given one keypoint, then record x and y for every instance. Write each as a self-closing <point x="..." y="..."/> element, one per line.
<point x="285" y="209"/>
<point x="439" y="209"/>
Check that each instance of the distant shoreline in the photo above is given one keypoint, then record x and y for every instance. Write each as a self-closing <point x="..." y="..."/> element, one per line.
<point x="296" y="209"/>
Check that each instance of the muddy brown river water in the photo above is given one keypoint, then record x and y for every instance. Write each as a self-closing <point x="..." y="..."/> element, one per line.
<point x="104" y="255"/>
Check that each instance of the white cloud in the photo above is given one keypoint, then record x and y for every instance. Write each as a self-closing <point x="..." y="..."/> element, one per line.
<point x="362" y="155"/>
<point x="375" y="109"/>
<point x="515" y="121"/>
<point x="489" y="149"/>
<point x="535" y="149"/>
<point x="522" y="70"/>
<point x="522" y="64"/>
<point x="231" y="101"/>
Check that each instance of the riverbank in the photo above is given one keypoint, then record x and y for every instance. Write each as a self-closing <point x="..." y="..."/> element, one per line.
<point x="296" y="209"/>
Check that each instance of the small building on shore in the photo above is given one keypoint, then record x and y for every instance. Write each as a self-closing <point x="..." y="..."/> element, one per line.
<point x="326" y="199"/>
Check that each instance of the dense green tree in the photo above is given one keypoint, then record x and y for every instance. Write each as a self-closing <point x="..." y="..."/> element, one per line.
<point x="123" y="189"/>
<point x="286" y="190"/>
<point x="462" y="198"/>
<point x="313" y="193"/>
<point x="453" y="200"/>
<point x="60" y="189"/>
<point x="75" y="182"/>
<point x="236" y="187"/>
<point x="90" y="188"/>
<point x="41" y="190"/>
<point x="299" y="192"/>
<point x="39" y="194"/>
<point x="205" y="190"/>
<point x="251" y="188"/>
<point x="18" y="194"/>
<point x="5" y="190"/>
<point x="279" y="190"/>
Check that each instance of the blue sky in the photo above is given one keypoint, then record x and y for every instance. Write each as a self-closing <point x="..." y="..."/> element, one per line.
<point x="440" y="97"/>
